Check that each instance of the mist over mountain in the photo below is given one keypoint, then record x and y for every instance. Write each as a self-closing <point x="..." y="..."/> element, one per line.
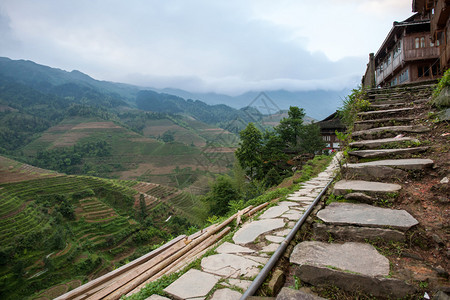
<point x="317" y="103"/>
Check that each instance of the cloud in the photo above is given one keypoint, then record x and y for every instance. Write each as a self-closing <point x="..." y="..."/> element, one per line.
<point x="230" y="46"/>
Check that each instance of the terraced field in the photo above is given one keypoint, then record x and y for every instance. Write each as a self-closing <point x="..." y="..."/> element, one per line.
<point x="14" y="171"/>
<point x="57" y="229"/>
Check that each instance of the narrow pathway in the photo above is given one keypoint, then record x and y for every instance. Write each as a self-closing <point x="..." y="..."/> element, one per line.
<point x="239" y="261"/>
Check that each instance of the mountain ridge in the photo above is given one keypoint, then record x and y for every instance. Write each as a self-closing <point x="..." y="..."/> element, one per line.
<point x="317" y="103"/>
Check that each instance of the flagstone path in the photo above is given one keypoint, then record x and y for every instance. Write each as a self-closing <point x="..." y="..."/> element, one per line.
<point x="237" y="262"/>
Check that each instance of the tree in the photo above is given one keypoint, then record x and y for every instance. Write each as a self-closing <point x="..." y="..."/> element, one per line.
<point x="272" y="151"/>
<point x="249" y="152"/>
<point x="221" y="194"/>
<point x="290" y="128"/>
<point x="310" y="139"/>
<point x="272" y="178"/>
<point x="168" y="136"/>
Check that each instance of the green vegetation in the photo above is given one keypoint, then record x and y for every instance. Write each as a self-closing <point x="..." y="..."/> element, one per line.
<point x="352" y="105"/>
<point x="73" y="227"/>
<point x="258" y="154"/>
<point x="440" y="100"/>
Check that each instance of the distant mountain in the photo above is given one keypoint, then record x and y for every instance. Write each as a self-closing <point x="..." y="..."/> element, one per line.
<point x="318" y="104"/>
<point x="45" y="79"/>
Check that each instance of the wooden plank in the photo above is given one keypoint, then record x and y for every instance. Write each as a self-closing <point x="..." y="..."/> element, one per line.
<point x="116" y="294"/>
<point x="125" y="278"/>
<point x="185" y="260"/>
<point x="98" y="281"/>
<point x="258" y="208"/>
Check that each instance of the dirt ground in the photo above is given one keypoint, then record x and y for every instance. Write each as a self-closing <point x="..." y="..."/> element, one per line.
<point x="427" y="199"/>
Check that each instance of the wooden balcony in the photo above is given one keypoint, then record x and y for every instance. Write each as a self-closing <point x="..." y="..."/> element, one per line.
<point x="422" y="53"/>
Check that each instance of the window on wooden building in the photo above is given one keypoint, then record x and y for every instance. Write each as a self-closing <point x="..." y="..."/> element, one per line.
<point x="420" y="71"/>
<point x="422" y="42"/>
<point x="426" y="72"/>
<point x="434" y="69"/>
<point x="417" y="43"/>
<point x="404" y="76"/>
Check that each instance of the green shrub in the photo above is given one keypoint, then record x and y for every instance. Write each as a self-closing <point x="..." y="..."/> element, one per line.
<point x="439" y="99"/>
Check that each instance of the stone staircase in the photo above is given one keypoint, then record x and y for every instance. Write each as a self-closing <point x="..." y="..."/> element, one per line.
<point x="386" y="140"/>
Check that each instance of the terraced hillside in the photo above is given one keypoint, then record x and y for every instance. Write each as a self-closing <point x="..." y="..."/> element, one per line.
<point x="63" y="230"/>
<point x="93" y="146"/>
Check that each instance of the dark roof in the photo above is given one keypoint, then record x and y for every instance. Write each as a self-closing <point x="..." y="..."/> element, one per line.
<point x="332" y="121"/>
<point x="397" y="30"/>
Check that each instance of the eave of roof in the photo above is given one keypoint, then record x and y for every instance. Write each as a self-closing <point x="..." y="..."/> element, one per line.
<point x="399" y="26"/>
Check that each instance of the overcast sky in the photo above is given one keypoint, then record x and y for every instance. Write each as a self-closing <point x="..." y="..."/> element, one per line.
<point x="228" y="46"/>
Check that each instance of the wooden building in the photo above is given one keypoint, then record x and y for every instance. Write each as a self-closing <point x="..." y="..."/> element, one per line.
<point x="438" y="11"/>
<point x="408" y="54"/>
<point x="328" y="128"/>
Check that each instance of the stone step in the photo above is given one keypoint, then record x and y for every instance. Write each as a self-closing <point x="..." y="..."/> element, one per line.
<point x="387" y="112"/>
<point x="378" y="143"/>
<point x="364" y="215"/>
<point x="377" y="153"/>
<point x="367" y="124"/>
<point x="386" y="169"/>
<point x="290" y="294"/>
<point x="349" y="266"/>
<point x="378" y="190"/>
<point x="404" y="164"/>
<point x="388" y="131"/>
<point x="394" y="102"/>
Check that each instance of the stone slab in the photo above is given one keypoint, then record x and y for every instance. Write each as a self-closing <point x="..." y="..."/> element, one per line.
<point x="274" y="211"/>
<point x="287" y="203"/>
<point x="243" y="284"/>
<point x="300" y="198"/>
<point x="228" y="247"/>
<point x="404" y="164"/>
<point x="341" y="256"/>
<point x="389" y="129"/>
<point x="230" y="265"/>
<point x="376" y="153"/>
<point x="291" y="294"/>
<point x="374" y="172"/>
<point x="250" y="231"/>
<point x="323" y="232"/>
<point x="371" y="144"/>
<point x="366" y="215"/>
<point x="342" y="187"/>
<point x="226" y="294"/>
<point x="385" y="288"/>
<point x="259" y="259"/>
<point x="386" y="111"/>
<point x="293" y="215"/>
<point x="274" y="238"/>
<point x="270" y="248"/>
<point x="192" y="284"/>
<point x="157" y="297"/>
<point x="283" y="232"/>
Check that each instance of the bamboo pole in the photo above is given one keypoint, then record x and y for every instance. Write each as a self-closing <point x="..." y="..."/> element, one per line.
<point x="113" y="292"/>
<point x="101" y="280"/>
<point x="185" y="260"/>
